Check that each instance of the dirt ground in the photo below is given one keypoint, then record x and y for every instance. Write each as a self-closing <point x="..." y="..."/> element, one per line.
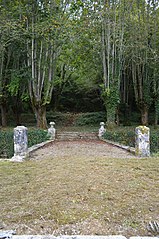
<point x="84" y="187"/>
<point x="81" y="148"/>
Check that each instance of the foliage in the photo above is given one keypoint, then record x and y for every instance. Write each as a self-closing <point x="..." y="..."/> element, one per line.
<point x="92" y="118"/>
<point x="123" y="137"/>
<point x="59" y="118"/>
<point x="6" y="144"/>
<point x="79" y="119"/>
<point x="126" y="136"/>
<point x="154" y="142"/>
<point x="65" y="50"/>
<point x="35" y="136"/>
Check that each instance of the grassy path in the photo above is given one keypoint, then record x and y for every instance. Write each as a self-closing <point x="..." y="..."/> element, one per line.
<point x="79" y="188"/>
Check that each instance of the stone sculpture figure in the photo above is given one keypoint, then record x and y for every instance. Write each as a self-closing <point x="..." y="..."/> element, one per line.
<point x="51" y="131"/>
<point x="102" y="130"/>
<point x="142" y="141"/>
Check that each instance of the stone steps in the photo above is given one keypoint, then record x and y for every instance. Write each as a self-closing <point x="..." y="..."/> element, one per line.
<point x="76" y="136"/>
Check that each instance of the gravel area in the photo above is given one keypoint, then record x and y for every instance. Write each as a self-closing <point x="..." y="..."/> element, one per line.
<point x="81" y="148"/>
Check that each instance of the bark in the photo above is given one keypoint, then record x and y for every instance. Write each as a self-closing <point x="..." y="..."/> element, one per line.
<point x="104" y="57"/>
<point x="42" y="61"/>
<point x="40" y="114"/>
<point x="17" y="110"/>
<point x="144" y="115"/>
<point x="3" y="115"/>
<point x="156" y="119"/>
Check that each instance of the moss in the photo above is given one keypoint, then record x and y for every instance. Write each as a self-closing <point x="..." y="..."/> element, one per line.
<point x="143" y="129"/>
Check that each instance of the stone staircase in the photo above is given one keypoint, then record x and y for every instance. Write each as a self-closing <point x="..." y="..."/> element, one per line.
<point x="76" y="136"/>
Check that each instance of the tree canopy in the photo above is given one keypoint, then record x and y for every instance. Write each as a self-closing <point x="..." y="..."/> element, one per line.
<point x="58" y="51"/>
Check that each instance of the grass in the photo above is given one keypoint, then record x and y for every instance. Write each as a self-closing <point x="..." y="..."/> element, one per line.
<point x="79" y="196"/>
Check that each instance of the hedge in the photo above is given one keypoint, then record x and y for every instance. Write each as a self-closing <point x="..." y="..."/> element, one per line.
<point x="35" y="136"/>
<point x="127" y="137"/>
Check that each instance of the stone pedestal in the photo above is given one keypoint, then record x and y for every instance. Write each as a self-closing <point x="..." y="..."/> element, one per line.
<point x="102" y="130"/>
<point x="20" y="143"/>
<point x="52" y="131"/>
<point x="142" y="141"/>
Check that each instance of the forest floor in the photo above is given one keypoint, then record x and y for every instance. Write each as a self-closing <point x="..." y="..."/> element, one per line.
<point x="80" y="187"/>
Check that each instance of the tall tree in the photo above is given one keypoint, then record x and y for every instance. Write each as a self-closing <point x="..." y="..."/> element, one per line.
<point x="45" y="24"/>
<point x="112" y="36"/>
<point x="139" y="54"/>
<point x="10" y="29"/>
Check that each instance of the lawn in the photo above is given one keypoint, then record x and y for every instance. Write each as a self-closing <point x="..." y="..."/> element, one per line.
<point x="79" y="196"/>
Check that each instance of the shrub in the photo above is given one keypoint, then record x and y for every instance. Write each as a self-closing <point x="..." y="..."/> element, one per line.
<point x="35" y="136"/>
<point x="122" y="137"/>
<point x="92" y="118"/>
<point x="6" y="144"/>
<point x="154" y="142"/>
<point x="127" y="137"/>
<point x="59" y="118"/>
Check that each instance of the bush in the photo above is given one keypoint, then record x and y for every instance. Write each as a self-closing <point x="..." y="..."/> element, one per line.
<point x="127" y="137"/>
<point x="92" y="118"/>
<point x="35" y="136"/>
<point x="122" y="137"/>
<point x="59" y="118"/>
<point x="72" y="119"/>
<point x="154" y="142"/>
<point x="6" y="144"/>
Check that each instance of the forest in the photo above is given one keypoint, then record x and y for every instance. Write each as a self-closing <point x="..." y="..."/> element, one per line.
<point x="79" y="56"/>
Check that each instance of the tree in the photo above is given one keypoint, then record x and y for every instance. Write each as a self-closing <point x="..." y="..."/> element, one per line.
<point x="112" y="36"/>
<point x="9" y="35"/>
<point x="139" y="55"/>
<point x="44" y="27"/>
<point x="79" y="62"/>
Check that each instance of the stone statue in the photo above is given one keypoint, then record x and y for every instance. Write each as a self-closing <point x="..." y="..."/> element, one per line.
<point x="51" y="131"/>
<point x="102" y="130"/>
<point x="142" y="141"/>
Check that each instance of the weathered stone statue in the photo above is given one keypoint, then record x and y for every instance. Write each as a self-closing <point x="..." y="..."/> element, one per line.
<point x="142" y="141"/>
<point x="102" y="130"/>
<point x="51" y="131"/>
<point x="20" y="143"/>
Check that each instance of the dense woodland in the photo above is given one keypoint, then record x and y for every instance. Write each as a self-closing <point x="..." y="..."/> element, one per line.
<point x="79" y="56"/>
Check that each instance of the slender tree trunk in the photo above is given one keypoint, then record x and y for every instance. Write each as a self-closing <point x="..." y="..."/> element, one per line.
<point x="156" y="119"/>
<point x="17" y="110"/>
<point x="3" y="115"/>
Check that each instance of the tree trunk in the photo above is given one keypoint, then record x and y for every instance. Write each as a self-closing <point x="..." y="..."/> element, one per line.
<point x="156" y="119"/>
<point x="156" y="111"/>
<point x="3" y="115"/>
<point x="40" y="114"/>
<point x="111" y="117"/>
<point x="17" y="110"/>
<point x="144" y="115"/>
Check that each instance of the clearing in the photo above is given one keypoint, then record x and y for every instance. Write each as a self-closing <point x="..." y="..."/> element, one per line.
<point x="80" y="187"/>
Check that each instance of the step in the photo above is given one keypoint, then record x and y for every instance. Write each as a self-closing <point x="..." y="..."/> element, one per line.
<point x="75" y="135"/>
